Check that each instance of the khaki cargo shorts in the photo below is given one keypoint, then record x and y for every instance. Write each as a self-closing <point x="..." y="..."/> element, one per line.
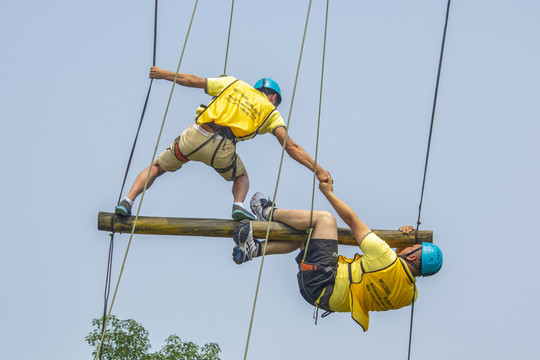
<point x="185" y="148"/>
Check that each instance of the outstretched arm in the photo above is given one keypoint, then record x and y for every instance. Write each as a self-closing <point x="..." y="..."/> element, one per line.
<point x="358" y="228"/>
<point x="182" y="79"/>
<point x="299" y="154"/>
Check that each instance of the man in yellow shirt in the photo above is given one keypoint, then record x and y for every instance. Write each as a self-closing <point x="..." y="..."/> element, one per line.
<point x="379" y="280"/>
<point x="237" y="112"/>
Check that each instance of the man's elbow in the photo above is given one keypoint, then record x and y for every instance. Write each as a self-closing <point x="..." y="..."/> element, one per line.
<point x="194" y="82"/>
<point x="291" y="146"/>
<point x="292" y="149"/>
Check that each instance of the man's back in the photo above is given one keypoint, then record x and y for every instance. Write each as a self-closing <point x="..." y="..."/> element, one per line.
<point x="240" y="107"/>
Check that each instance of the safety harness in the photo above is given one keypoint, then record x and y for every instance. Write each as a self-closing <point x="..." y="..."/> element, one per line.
<point x="251" y="115"/>
<point x="226" y="134"/>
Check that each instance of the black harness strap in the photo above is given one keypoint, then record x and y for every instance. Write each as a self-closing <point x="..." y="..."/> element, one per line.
<point x="225" y="134"/>
<point x="214" y="99"/>
<point x="257" y="131"/>
<point x="200" y="146"/>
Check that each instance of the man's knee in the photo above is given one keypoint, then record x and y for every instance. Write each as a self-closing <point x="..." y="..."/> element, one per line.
<point x="243" y="176"/>
<point x="324" y="219"/>
<point x="159" y="170"/>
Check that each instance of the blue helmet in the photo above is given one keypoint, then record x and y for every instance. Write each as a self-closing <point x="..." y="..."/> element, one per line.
<point x="267" y="83"/>
<point x="432" y="259"/>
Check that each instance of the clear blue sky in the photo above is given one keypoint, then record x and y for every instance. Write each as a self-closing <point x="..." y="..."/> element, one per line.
<point x="75" y="75"/>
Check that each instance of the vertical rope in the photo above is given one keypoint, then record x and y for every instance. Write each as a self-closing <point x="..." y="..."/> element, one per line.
<point x="155" y="34"/>
<point x="145" y="103"/>
<point x="427" y="152"/>
<point x="411" y="326"/>
<point x="432" y="117"/>
<point x="108" y="275"/>
<point x="146" y="183"/>
<point x="228" y="39"/>
<point x="277" y="184"/>
<point x="318" y="130"/>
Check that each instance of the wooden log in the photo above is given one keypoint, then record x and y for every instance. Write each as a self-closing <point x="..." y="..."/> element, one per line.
<point x="224" y="228"/>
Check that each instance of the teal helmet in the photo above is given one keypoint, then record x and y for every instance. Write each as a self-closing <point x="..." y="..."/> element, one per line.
<point x="432" y="259"/>
<point x="267" y="83"/>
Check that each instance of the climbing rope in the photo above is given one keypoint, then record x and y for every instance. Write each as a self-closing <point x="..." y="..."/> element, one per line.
<point x="310" y="228"/>
<point x="427" y="152"/>
<point x="277" y="182"/>
<point x="228" y="39"/>
<point x="98" y="353"/>
<point x="108" y="275"/>
<point x="433" y="116"/>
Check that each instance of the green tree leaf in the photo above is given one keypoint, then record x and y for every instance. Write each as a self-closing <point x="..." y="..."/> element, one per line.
<point x="128" y="340"/>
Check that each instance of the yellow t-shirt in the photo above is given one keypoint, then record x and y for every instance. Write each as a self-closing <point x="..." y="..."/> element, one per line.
<point x="214" y="86"/>
<point x="377" y="256"/>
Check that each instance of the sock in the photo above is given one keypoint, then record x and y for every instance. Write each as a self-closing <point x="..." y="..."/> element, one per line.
<point x="239" y="203"/>
<point x="266" y="212"/>
<point x="259" y="248"/>
<point x="129" y="201"/>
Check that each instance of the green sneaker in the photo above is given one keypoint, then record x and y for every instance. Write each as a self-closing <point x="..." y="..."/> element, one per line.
<point x="123" y="208"/>
<point x="239" y="213"/>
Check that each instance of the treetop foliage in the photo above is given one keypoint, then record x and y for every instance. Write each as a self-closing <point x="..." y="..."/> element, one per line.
<point x="128" y="340"/>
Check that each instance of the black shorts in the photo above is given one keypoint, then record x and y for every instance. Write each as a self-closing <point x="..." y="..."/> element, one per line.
<point x="318" y="271"/>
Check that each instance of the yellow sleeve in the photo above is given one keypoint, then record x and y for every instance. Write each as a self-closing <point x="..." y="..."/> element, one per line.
<point x="272" y="123"/>
<point x="216" y="85"/>
<point x="377" y="253"/>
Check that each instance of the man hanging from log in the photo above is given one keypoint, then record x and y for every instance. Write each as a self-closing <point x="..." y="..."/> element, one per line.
<point x="237" y="112"/>
<point x="381" y="279"/>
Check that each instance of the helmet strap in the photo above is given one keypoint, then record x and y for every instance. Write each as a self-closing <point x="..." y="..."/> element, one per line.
<point x="417" y="267"/>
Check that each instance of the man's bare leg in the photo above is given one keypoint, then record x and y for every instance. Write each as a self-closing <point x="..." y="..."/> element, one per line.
<point x="240" y="187"/>
<point x="324" y="227"/>
<point x="279" y="247"/>
<point x="138" y="184"/>
<point x="239" y="190"/>
<point x="324" y="224"/>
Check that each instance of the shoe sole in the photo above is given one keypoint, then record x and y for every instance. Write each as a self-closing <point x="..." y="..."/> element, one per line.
<point x="239" y="241"/>
<point x="120" y="210"/>
<point x="242" y="234"/>
<point x="238" y="257"/>
<point x="241" y="215"/>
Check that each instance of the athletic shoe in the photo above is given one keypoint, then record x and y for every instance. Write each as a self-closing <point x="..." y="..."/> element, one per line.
<point x="258" y="204"/>
<point x="246" y="247"/>
<point x="239" y="213"/>
<point x="123" y="208"/>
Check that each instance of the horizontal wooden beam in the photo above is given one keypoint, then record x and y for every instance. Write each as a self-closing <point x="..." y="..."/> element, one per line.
<point x="224" y="228"/>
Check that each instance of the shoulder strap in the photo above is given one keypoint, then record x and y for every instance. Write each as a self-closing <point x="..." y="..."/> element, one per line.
<point x="214" y="99"/>
<point x="257" y="131"/>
